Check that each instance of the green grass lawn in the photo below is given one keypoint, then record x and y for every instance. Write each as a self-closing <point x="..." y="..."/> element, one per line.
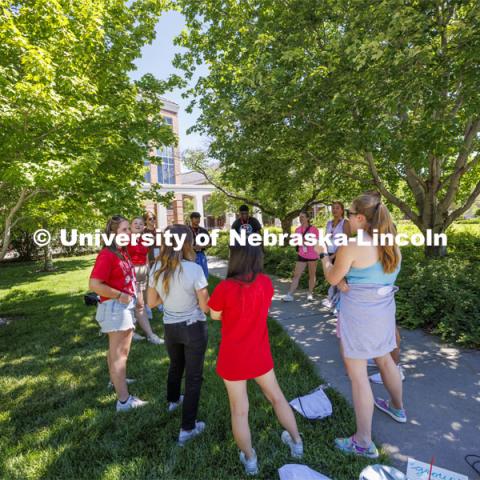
<point x="58" y="421"/>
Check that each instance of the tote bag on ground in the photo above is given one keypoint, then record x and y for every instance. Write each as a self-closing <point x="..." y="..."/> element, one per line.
<point x="313" y="406"/>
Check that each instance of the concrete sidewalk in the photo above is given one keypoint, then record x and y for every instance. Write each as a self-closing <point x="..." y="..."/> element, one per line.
<point x="441" y="391"/>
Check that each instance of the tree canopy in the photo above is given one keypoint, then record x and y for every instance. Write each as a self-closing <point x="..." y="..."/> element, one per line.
<point x="73" y="125"/>
<point x="382" y="95"/>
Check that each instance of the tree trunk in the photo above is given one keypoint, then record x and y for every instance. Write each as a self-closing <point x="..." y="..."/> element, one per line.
<point x="287" y="224"/>
<point x="433" y="251"/>
<point x="48" y="259"/>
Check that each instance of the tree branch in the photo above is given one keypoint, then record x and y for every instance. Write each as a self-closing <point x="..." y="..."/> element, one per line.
<point x="241" y="198"/>
<point x="461" y="210"/>
<point x="461" y="162"/>
<point x="388" y="195"/>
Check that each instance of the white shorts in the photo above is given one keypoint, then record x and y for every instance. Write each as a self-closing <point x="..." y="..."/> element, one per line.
<point x="113" y="316"/>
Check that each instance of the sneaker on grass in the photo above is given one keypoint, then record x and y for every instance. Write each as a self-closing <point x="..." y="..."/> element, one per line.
<point x="296" y="449"/>
<point x="172" y="406"/>
<point x="251" y="465"/>
<point x="132" y="402"/>
<point x="155" y="339"/>
<point x="398" y="414"/>
<point x="185" y="435"/>
<point x="349" y="445"/>
<point x="288" y="297"/>
<point x="377" y="378"/>
<point x="128" y="380"/>
<point x="310" y="297"/>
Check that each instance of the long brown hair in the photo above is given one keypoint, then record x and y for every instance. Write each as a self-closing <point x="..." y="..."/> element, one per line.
<point x="340" y="204"/>
<point x="112" y="228"/>
<point x="170" y="259"/>
<point x="378" y="218"/>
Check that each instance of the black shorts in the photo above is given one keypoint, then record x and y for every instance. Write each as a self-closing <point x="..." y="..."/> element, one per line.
<point x="301" y="259"/>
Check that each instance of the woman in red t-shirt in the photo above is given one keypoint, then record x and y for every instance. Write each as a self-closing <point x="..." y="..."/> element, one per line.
<point x="139" y="256"/>
<point x="241" y="302"/>
<point x="113" y="278"/>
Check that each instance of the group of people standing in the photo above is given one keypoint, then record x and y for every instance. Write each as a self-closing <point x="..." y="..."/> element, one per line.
<point x="177" y="281"/>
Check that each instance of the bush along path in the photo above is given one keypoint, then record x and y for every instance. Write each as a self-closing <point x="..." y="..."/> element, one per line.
<point x="441" y="390"/>
<point x="57" y="416"/>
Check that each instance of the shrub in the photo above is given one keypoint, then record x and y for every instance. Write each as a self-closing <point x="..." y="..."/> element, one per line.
<point x="442" y="296"/>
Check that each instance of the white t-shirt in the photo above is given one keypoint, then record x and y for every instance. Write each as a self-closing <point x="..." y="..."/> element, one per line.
<point x="181" y="303"/>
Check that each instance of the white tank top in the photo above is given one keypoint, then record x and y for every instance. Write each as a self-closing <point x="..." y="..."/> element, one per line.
<point x="334" y="231"/>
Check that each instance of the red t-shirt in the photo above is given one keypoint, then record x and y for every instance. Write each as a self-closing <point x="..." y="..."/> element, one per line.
<point x="244" y="348"/>
<point x="113" y="271"/>
<point x="138" y="253"/>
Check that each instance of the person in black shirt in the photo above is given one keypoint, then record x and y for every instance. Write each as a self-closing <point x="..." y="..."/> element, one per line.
<point x="201" y="258"/>
<point x="245" y="221"/>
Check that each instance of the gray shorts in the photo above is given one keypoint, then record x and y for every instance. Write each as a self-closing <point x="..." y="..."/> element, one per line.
<point x="113" y="316"/>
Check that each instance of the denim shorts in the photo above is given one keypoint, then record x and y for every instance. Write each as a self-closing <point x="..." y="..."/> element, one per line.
<point x="114" y="316"/>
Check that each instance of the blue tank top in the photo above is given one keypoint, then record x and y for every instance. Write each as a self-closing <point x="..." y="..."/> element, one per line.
<point x="372" y="274"/>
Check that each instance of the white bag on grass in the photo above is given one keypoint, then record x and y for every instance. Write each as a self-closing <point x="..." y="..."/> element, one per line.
<point x="294" y="471"/>
<point x="381" y="472"/>
<point x="315" y="405"/>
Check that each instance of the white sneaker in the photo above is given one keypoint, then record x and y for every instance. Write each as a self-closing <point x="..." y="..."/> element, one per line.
<point x="296" y="449"/>
<point x="132" y="402"/>
<point x="184" y="436"/>
<point x="137" y="337"/>
<point x="251" y="465"/>
<point x="172" y="406"/>
<point x="128" y="380"/>
<point x="155" y="339"/>
<point x="377" y="378"/>
<point x="327" y="303"/>
<point x="309" y="297"/>
<point x="288" y="298"/>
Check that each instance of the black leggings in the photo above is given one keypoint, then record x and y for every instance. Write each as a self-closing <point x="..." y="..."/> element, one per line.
<point x="186" y="345"/>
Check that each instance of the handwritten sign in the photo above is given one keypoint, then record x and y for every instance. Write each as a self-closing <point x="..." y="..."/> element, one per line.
<point x="420" y="471"/>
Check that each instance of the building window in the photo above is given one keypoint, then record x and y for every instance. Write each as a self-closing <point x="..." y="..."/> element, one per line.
<point x="168" y="120"/>
<point x="148" y="176"/>
<point x="166" y="169"/>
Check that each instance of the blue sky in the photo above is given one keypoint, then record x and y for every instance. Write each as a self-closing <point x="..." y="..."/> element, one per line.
<point x="157" y="59"/>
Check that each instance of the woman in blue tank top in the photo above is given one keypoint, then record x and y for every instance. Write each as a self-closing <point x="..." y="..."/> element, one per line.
<point x="366" y="320"/>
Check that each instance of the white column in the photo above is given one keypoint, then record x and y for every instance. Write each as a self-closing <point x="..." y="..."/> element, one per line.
<point x="198" y="206"/>
<point x="162" y="220"/>
<point x="258" y="215"/>
<point x="229" y="219"/>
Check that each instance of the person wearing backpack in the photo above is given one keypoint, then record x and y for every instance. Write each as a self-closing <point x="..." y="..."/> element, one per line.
<point x="306" y="257"/>
<point x="241" y="303"/>
<point x="113" y="279"/>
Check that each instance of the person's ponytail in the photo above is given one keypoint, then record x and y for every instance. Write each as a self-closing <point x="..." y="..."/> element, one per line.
<point x="383" y="224"/>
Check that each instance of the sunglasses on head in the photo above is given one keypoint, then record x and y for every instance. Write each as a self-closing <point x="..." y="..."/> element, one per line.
<point x="350" y="212"/>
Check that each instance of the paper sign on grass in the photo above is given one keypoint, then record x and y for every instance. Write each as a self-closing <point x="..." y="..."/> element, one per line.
<point x="419" y="471"/>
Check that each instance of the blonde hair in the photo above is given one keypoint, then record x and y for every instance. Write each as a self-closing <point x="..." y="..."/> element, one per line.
<point x="378" y="218"/>
<point x="170" y="259"/>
